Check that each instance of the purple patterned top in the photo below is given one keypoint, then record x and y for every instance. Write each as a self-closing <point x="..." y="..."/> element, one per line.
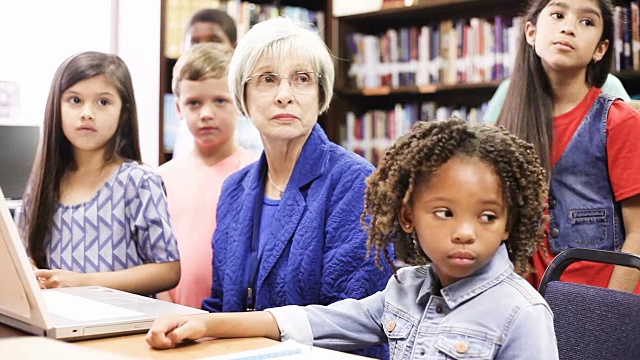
<point x="125" y="224"/>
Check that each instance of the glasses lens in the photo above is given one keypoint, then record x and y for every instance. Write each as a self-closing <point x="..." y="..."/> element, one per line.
<point x="300" y="81"/>
<point x="268" y="80"/>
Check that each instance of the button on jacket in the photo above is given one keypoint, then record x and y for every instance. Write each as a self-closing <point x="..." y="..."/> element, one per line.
<point x="493" y="314"/>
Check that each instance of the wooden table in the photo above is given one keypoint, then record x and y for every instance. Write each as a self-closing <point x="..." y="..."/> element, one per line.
<point x="135" y="347"/>
<point x="38" y="348"/>
<point x="6" y="331"/>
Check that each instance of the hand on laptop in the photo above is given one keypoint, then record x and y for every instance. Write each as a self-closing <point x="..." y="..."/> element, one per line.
<point x="169" y="330"/>
<point x="34" y="267"/>
<point x="41" y="283"/>
<point x="50" y="279"/>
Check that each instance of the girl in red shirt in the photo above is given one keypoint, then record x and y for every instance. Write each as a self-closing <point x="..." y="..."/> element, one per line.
<point x="584" y="138"/>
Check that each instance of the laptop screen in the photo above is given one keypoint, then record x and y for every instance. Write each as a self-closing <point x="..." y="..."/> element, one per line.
<point x="21" y="301"/>
<point x="18" y="146"/>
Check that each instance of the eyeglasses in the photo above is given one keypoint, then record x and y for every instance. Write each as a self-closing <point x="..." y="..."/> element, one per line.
<point x="300" y="81"/>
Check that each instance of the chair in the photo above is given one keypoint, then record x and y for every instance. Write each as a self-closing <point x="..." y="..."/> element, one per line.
<point x="592" y="323"/>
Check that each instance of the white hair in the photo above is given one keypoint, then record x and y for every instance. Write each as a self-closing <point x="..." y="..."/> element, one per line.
<point x="280" y="39"/>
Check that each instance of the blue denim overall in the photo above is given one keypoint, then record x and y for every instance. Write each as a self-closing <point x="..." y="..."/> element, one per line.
<point x="583" y="209"/>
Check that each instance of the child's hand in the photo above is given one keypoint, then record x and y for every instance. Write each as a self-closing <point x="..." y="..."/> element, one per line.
<point x="34" y="267"/>
<point x="50" y="279"/>
<point x="168" y="330"/>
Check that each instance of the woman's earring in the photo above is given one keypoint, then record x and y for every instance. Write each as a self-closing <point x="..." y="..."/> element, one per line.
<point x="407" y="225"/>
<point x="595" y="59"/>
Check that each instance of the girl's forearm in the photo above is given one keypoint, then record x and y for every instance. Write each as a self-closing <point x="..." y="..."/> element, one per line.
<point x="626" y="278"/>
<point x="165" y="296"/>
<point x="246" y="324"/>
<point x="142" y="279"/>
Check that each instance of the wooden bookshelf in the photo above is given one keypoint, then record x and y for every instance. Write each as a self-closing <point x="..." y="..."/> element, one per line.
<point x="355" y="97"/>
<point x="349" y="98"/>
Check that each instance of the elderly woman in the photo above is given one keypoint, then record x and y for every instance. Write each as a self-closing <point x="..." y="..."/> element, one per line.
<point x="289" y="225"/>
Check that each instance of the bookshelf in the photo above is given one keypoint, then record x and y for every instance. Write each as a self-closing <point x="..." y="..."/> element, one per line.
<point x="455" y="91"/>
<point x="427" y="60"/>
<point x="366" y="109"/>
<point x="176" y="13"/>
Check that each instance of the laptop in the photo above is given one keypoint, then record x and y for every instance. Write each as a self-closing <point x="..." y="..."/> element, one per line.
<point x="67" y="313"/>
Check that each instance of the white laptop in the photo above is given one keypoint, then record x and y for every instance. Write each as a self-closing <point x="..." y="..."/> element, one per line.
<point x="67" y="313"/>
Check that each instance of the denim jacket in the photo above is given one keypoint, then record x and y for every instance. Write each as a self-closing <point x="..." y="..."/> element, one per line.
<point x="493" y="314"/>
<point x="583" y="209"/>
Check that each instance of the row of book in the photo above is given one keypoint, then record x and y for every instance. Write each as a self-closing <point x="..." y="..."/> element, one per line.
<point x="626" y="44"/>
<point x="371" y="133"/>
<point x="448" y="52"/>
<point x="245" y="14"/>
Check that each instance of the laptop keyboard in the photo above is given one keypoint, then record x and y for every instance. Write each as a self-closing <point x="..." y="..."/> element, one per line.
<point x="81" y="309"/>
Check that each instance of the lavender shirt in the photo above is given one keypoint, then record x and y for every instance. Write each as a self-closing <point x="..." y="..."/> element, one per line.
<point x="125" y="224"/>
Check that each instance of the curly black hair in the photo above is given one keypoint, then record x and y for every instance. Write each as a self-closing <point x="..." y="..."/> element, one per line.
<point x="414" y="157"/>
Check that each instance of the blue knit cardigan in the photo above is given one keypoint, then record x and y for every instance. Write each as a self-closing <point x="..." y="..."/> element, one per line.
<point x="319" y="253"/>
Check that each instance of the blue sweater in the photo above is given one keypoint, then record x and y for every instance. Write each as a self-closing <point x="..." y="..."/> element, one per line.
<point x="318" y="255"/>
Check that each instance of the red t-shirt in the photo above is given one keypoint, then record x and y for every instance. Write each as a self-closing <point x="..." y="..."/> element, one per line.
<point x="623" y="154"/>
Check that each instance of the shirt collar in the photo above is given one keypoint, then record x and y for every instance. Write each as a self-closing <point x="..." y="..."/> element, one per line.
<point x="496" y="270"/>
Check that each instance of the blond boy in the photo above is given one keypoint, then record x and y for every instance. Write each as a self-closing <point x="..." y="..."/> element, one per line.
<point x="194" y="180"/>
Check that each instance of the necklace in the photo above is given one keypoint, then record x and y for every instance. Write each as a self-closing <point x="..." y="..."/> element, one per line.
<point x="274" y="185"/>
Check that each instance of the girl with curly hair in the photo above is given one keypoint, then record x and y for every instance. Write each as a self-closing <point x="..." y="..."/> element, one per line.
<point x="469" y="202"/>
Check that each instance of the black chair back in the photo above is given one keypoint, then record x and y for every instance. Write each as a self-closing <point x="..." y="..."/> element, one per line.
<point x="592" y="323"/>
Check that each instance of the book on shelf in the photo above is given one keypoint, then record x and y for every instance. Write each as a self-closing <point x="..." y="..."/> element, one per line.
<point x="626" y="43"/>
<point x="369" y="134"/>
<point x="448" y="52"/>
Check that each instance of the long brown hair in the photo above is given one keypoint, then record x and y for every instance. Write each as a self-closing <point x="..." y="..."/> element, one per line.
<point x="528" y="108"/>
<point x="55" y="154"/>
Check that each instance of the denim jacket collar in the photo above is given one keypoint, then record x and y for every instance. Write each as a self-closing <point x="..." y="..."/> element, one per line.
<point x="496" y="270"/>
